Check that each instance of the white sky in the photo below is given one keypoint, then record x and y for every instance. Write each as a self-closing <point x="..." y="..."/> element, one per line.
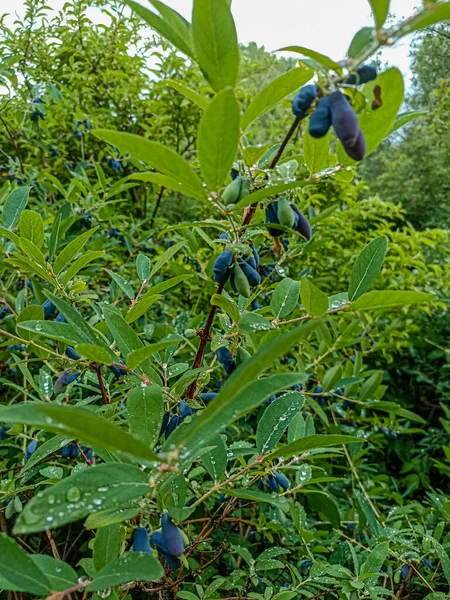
<point x="324" y="25"/>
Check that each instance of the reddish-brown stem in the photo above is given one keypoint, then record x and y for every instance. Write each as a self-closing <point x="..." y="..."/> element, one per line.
<point x="285" y="142"/>
<point x="97" y="368"/>
<point x="204" y="337"/>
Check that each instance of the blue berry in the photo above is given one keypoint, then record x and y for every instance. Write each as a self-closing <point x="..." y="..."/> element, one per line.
<point x="184" y="409"/>
<point x="140" y="541"/>
<point x="208" y="396"/>
<point x="31" y="449"/>
<point x="225" y="358"/>
<point x="222" y="266"/>
<point x="49" y="309"/>
<point x="304" y="99"/>
<point x="71" y="353"/>
<point x="282" y="480"/>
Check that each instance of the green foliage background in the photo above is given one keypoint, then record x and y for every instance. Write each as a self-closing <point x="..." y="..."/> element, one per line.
<point x="145" y="251"/>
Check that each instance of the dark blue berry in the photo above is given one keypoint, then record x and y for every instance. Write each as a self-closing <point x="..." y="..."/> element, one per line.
<point x="165" y="422"/>
<point x="140" y="541"/>
<point x="364" y="74"/>
<point x="320" y="120"/>
<point x="222" y="266"/>
<point x="71" y="353"/>
<point x="225" y="358"/>
<point x="49" y="309"/>
<point x="404" y="572"/>
<point x="184" y="409"/>
<point x="282" y="480"/>
<point x="60" y="318"/>
<point x="31" y="449"/>
<point x="303" y="100"/>
<point x="208" y="396"/>
<point x="173" y="423"/>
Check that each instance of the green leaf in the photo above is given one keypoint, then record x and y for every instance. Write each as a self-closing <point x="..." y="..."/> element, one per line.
<point x="311" y="443"/>
<point x="54" y="236"/>
<point x="240" y="394"/>
<point x="60" y="575"/>
<point x="10" y="235"/>
<point x="169" y="183"/>
<point x="215" y="42"/>
<point x="218" y="137"/>
<point x="73" y="317"/>
<point x="49" y="447"/>
<point x="278" y="89"/>
<point x="32" y="252"/>
<point x="69" y="252"/>
<point x="62" y="332"/>
<point x="84" y="492"/>
<point x="110" y="516"/>
<point x="276" y="419"/>
<point x="316" y="152"/>
<point x="143" y="266"/>
<point x="131" y="566"/>
<point x="79" y="264"/>
<point x="395" y="409"/>
<point x="31" y="227"/>
<point x="375" y="124"/>
<point x="361" y="41"/>
<point x="432" y="13"/>
<point x="18" y="570"/>
<point x="14" y="205"/>
<point x="157" y="156"/>
<point x="325" y="505"/>
<point x="138" y="356"/>
<point x="367" y="266"/>
<point x="96" y="353"/>
<point x="443" y="557"/>
<point x="145" y="412"/>
<point x="375" y="560"/>
<point x="159" y="288"/>
<point x="141" y="307"/>
<point x="122" y="283"/>
<point x="252" y="322"/>
<point x="331" y="377"/>
<point x="78" y="423"/>
<point x="227" y="305"/>
<point x="168" y="23"/>
<point x="404" y="118"/>
<point x="317" y="56"/>
<point x="380" y="9"/>
<point x="26" y="264"/>
<point x="285" y="298"/>
<point x="215" y="460"/>
<point x="375" y="526"/>
<point x="256" y="496"/>
<point x="186" y="91"/>
<point x="268" y="192"/>
<point x="314" y="300"/>
<point x="162" y="260"/>
<point x="388" y="299"/>
<point x="106" y="545"/>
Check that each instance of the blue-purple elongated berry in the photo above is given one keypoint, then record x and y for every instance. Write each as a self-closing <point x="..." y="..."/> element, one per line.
<point x="171" y="537"/>
<point x="113" y="232"/>
<point x="427" y="562"/>
<point x="225" y="358"/>
<point x="71" y="353"/>
<point x="30" y="449"/>
<point x="173" y="423"/>
<point x="222" y="266"/>
<point x="65" y="452"/>
<point x="164" y="423"/>
<point x="184" y="409"/>
<point x="140" y="541"/>
<point x="320" y="120"/>
<point x="256" y="305"/>
<point x="364" y="74"/>
<point x="5" y="311"/>
<point x="253" y="277"/>
<point x="282" y="480"/>
<point x="64" y="379"/>
<point x="16" y="347"/>
<point x="404" y="572"/>
<point x="346" y="126"/>
<point x="208" y="396"/>
<point x="172" y="561"/>
<point x="3" y="431"/>
<point x="301" y="223"/>
<point x="320" y="399"/>
<point x="303" y="100"/>
<point x="271" y="217"/>
<point x="89" y="454"/>
<point x="73" y="451"/>
<point x="273" y="484"/>
<point x="60" y="318"/>
<point x="49" y="309"/>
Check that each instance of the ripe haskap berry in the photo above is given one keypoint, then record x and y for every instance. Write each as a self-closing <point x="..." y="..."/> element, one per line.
<point x="71" y="353"/>
<point x="252" y="275"/>
<point x="304" y="99"/>
<point x="117" y="371"/>
<point x="16" y="348"/>
<point x="282" y="480"/>
<point x="301" y="223"/>
<point x="173" y="423"/>
<point x="273" y="484"/>
<point x="184" y="409"/>
<point x="64" y="379"/>
<point x="30" y="449"/>
<point x="364" y="74"/>
<point x="272" y="217"/>
<point x="60" y="318"/>
<point x="5" y="311"/>
<point x="172" y="561"/>
<point x="73" y="451"/>
<point x="271" y="399"/>
<point x="320" y="399"/>
<point x="3" y="431"/>
<point x="49" y="309"/>
<point x="320" y="120"/>
<point x="346" y="127"/>
<point x="171" y="537"/>
<point x="164" y="423"/>
<point x="256" y="305"/>
<point x="225" y="358"/>
<point x="89" y="454"/>
<point x="65" y="452"/>
<point x="404" y="572"/>
<point x="427" y="563"/>
<point x="208" y="396"/>
<point x="140" y="541"/>
<point x="113" y="232"/>
<point x="222" y="266"/>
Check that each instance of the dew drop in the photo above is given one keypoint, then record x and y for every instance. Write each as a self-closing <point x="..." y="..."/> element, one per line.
<point x="73" y="494"/>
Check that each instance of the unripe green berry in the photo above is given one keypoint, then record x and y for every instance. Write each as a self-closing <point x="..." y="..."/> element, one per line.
<point x="285" y="213"/>
<point x="190" y="334"/>
<point x="241" y="282"/>
<point x="232" y="191"/>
